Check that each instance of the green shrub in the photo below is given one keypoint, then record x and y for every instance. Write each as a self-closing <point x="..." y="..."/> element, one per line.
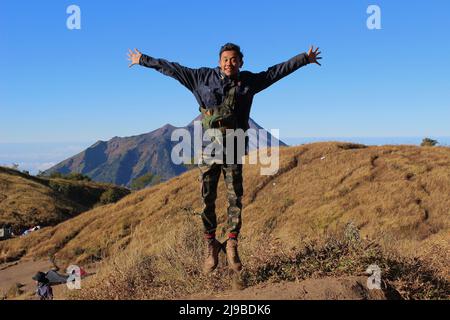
<point x="427" y="142"/>
<point x="74" y="176"/>
<point x="145" y="181"/>
<point x="111" y="195"/>
<point x="55" y="175"/>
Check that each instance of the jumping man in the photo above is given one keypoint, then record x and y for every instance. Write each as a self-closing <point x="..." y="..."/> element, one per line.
<point x="225" y="96"/>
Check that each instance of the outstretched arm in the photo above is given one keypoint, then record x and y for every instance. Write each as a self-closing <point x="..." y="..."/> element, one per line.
<point x="186" y="76"/>
<point x="266" y="78"/>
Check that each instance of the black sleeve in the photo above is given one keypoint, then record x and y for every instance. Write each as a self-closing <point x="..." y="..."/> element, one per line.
<point x="266" y="78"/>
<point x="186" y="76"/>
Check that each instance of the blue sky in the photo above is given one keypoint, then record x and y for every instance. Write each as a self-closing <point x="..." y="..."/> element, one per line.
<point x="60" y="85"/>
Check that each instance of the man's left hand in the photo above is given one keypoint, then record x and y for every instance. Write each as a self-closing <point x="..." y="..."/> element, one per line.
<point x="313" y="55"/>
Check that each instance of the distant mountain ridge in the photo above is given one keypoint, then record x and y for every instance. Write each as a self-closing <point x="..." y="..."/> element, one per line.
<point x="124" y="159"/>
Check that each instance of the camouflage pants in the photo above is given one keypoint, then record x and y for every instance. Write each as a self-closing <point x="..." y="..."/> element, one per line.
<point x="210" y="175"/>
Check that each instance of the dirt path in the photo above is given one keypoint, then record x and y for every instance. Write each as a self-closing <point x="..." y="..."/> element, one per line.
<point x="21" y="272"/>
<point x="345" y="288"/>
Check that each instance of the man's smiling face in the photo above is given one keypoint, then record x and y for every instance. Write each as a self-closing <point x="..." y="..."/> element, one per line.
<point x="230" y="62"/>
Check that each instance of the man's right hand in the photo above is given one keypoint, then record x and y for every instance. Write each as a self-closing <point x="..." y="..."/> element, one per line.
<point x="134" y="57"/>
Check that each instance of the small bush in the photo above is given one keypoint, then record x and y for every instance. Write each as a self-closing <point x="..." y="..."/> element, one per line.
<point x="427" y="142"/>
<point x="111" y="195"/>
<point x="56" y="175"/>
<point x="77" y="177"/>
<point x="14" y="291"/>
<point x="74" y="176"/>
<point x="145" y="181"/>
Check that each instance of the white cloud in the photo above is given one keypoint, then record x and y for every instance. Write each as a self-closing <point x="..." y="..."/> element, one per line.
<point x="45" y="165"/>
<point x="39" y="156"/>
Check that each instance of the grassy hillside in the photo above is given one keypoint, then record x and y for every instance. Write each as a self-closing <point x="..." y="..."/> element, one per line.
<point x="27" y="201"/>
<point x="396" y="199"/>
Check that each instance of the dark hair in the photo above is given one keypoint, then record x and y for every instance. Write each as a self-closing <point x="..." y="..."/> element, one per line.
<point x="231" y="47"/>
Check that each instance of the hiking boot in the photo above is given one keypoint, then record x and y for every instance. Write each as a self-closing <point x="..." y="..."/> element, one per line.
<point x="232" y="255"/>
<point x="211" y="255"/>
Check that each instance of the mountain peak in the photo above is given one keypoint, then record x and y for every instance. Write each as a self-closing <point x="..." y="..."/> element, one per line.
<point x="121" y="160"/>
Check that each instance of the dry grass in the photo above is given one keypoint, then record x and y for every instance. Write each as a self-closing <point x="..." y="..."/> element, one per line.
<point x="341" y="254"/>
<point x="397" y="196"/>
<point x="174" y="273"/>
<point x="13" y="292"/>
